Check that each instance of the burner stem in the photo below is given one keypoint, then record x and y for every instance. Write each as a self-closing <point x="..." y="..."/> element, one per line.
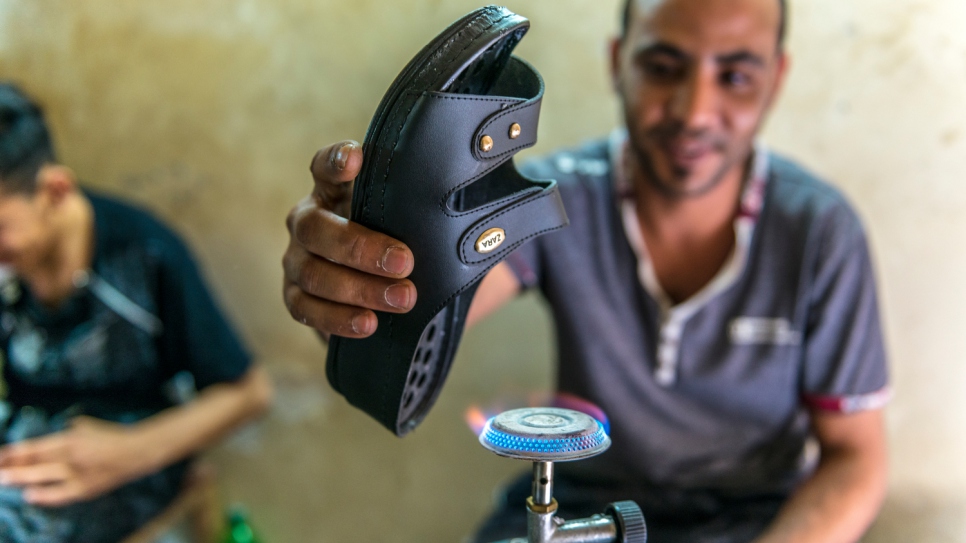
<point x="543" y="483"/>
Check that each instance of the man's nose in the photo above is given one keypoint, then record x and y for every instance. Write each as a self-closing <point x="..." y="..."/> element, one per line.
<point x="696" y="101"/>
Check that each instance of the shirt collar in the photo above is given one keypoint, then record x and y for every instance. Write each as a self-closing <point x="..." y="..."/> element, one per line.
<point x="752" y="202"/>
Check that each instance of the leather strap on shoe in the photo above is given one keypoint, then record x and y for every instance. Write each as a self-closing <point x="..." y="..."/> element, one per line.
<point x="514" y="126"/>
<point x="537" y="211"/>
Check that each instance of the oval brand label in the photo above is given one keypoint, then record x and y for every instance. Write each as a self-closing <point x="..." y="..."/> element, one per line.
<point x="490" y="240"/>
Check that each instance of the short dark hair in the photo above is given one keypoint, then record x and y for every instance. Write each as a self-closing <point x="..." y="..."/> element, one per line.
<point x="782" y="24"/>
<point x="25" y="144"/>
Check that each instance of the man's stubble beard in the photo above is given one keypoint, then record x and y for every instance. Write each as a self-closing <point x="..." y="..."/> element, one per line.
<point x="667" y="187"/>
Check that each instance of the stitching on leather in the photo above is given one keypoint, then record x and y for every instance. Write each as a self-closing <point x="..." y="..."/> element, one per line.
<point x="470" y="97"/>
<point x="522" y="106"/>
<point x="426" y="66"/>
<point x="396" y="111"/>
<point x="502" y="201"/>
<point x="392" y="154"/>
<point x="512" y="150"/>
<point x="482" y="130"/>
<point x="483" y="272"/>
<point x="398" y="133"/>
<point x="488" y="12"/>
<point x="510" y="249"/>
<point x="442" y="203"/>
<point x="500" y="255"/>
<point x="482" y="226"/>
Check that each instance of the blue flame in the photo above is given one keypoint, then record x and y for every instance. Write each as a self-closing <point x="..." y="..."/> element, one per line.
<point x="505" y="441"/>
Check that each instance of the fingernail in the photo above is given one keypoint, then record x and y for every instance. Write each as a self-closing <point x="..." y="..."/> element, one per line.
<point x="361" y="324"/>
<point x="395" y="260"/>
<point x="342" y="156"/>
<point x="398" y="296"/>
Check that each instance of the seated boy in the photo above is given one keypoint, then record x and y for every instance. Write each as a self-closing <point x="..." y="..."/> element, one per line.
<point x="102" y="310"/>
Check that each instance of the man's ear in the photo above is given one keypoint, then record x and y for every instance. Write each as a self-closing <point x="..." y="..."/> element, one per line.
<point x="782" y="71"/>
<point x="615" y="63"/>
<point x="56" y="182"/>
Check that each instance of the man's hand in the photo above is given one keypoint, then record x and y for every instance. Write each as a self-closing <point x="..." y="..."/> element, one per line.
<point x="87" y="460"/>
<point x="336" y="271"/>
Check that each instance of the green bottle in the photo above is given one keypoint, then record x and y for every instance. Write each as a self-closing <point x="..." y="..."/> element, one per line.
<point x="239" y="530"/>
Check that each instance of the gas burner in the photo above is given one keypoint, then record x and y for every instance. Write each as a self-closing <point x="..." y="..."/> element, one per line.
<point x="544" y="434"/>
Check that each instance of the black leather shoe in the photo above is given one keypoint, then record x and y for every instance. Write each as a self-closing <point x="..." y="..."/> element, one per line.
<point x="437" y="174"/>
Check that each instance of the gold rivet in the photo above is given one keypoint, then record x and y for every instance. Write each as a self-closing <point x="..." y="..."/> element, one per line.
<point x="486" y="143"/>
<point x="515" y="131"/>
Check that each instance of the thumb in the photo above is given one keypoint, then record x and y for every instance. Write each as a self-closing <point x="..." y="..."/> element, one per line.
<point x="333" y="168"/>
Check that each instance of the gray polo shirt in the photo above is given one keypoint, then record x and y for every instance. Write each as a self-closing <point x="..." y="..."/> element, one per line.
<point x="711" y="394"/>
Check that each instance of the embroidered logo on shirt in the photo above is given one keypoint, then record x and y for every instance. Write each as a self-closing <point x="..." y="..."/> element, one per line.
<point x="763" y="331"/>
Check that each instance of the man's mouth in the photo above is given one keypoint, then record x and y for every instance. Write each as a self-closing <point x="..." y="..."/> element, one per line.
<point x="687" y="153"/>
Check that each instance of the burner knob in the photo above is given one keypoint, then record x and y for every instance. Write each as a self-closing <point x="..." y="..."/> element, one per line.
<point x="630" y="521"/>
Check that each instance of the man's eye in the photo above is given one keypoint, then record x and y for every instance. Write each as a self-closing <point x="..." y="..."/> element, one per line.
<point x="734" y="78"/>
<point x="661" y="70"/>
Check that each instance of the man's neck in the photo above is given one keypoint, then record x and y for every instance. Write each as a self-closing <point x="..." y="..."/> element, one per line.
<point x="71" y="250"/>
<point x="676" y="217"/>
<point x="689" y="238"/>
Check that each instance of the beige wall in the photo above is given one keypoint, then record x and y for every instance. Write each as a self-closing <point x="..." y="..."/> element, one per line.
<point x="209" y="112"/>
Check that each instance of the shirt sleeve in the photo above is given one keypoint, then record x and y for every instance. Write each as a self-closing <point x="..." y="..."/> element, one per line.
<point x="845" y="367"/>
<point x="197" y="337"/>
<point x="524" y="262"/>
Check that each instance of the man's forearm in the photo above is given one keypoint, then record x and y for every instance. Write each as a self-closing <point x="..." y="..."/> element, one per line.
<point x="837" y="504"/>
<point x="181" y="431"/>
